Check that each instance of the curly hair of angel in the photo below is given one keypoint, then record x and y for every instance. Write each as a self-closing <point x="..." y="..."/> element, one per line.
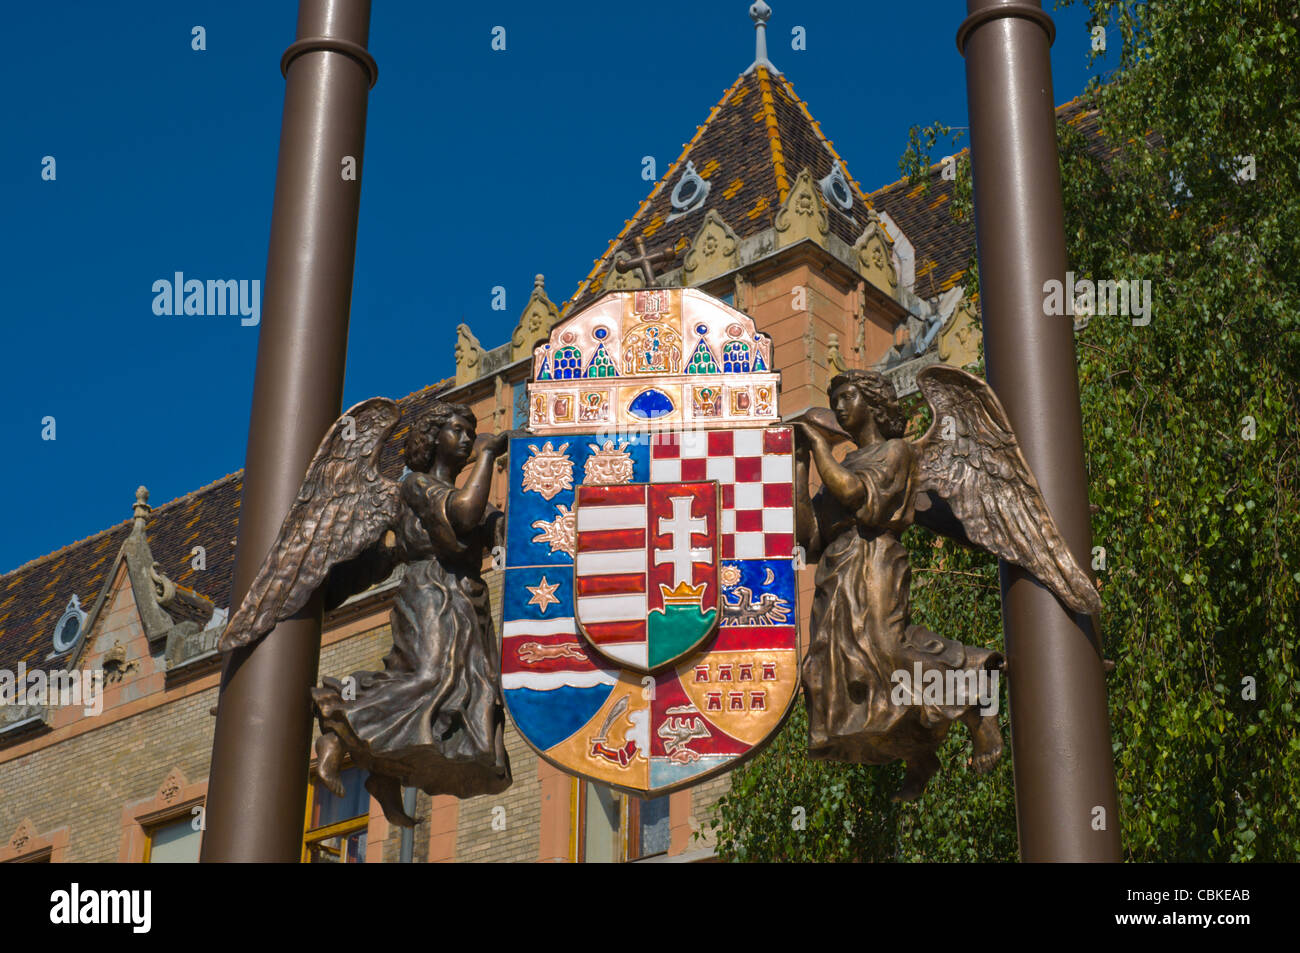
<point x="878" y="390"/>
<point x="420" y="440"/>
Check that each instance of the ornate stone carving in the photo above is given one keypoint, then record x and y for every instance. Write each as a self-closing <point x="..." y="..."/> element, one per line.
<point x="714" y="251"/>
<point x="164" y="605"/>
<point x="872" y="253"/>
<point x="164" y="589"/>
<point x="539" y="316"/>
<point x="960" y="338"/>
<point x="860" y="319"/>
<point x="172" y="786"/>
<point x="834" y="360"/>
<point x="503" y="402"/>
<point x="24" y="835"/>
<point x="469" y="355"/>
<point x="903" y="376"/>
<point x="804" y="213"/>
<point x="115" y="664"/>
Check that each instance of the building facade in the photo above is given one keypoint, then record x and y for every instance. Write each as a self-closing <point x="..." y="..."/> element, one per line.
<point x="108" y="660"/>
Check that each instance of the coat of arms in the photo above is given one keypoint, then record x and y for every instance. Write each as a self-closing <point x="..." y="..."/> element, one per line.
<point x="649" y="632"/>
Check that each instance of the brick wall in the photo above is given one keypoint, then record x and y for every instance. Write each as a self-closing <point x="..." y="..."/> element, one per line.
<point x="85" y="781"/>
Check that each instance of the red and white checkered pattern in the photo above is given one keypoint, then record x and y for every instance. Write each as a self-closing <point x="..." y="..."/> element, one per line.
<point x="755" y="472"/>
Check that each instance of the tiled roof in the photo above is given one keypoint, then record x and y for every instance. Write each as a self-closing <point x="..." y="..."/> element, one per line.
<point x="944" y="248"/>
<point x="751" y="147"/>
<point x="34" y="596"/>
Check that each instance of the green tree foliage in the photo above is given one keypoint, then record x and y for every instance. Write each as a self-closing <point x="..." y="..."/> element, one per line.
<point x="1194" y="465"/>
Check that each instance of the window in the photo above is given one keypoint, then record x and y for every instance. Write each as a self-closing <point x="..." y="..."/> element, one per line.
<point x="689" y="193"/>
<point x="173" y="842"/>
<point x="617" y="827"/>
<point x="68" y="627"/>
<point x="602" y="816"/>
<point x="26" y="846"/>
<point x="335" y="829"/>
<point x="836" y="187"/>
<point x="648" y="830"/>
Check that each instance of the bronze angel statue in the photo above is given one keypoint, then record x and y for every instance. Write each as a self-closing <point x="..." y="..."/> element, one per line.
<point x="965" y="478"/>
<point x="433" y="718"/>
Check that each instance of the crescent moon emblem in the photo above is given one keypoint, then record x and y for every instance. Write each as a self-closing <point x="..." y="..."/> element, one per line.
<point x="770" y="576"/>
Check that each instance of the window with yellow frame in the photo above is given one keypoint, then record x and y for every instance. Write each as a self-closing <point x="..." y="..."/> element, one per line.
<point x="175" y="840"/>
<point x="610" y="827"/>
<point x="334" y="831"/>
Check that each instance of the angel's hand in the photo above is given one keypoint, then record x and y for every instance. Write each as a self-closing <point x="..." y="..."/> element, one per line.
<point x="493" y="443"/>
<point x="809" y="434"/>
<point x="803" y="438"/>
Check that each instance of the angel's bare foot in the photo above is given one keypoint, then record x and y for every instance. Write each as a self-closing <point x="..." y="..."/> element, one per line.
<point x="919" y="771"/>
<point x="329" y="755"/>
<point x="388" y="793"/>
<point x="986" y="738"/>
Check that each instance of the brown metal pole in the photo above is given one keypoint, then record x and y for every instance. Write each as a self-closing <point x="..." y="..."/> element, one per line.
<point x="258" y="780"/>
<point x="1060" y="729"/>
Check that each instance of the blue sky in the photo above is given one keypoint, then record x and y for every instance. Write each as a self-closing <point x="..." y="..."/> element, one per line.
<point x="482" y="168"/>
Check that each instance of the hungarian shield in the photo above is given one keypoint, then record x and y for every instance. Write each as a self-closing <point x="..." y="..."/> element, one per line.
<point x="650" y="635"/>
<point x="646" y="570"/>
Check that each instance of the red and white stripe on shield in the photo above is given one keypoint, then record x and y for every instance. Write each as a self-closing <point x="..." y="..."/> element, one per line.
<point x="636" y="545"/>
<point x="610" y="570"/>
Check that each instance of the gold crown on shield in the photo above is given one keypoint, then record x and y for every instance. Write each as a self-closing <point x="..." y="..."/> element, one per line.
<point x="683" y="594"/>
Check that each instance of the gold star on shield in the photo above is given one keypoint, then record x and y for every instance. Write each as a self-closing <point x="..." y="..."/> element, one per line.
<point x="543" y="595"/>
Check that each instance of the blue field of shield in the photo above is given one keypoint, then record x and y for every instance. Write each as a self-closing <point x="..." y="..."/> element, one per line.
<point x="548" y="717"/>
<point x="548" y="711"/>
<point x="528" y="507"/>
<point x="775" y="576"/>
<point x="519" y="604"/>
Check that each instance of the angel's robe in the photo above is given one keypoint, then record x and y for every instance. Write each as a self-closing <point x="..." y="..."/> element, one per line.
<point x="860" y="631"/>
<point x="434" y="717"/>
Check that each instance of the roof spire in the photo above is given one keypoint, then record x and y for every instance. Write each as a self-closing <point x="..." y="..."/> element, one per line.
<point x="141" y="510"/>
<point x="759" y="12"/>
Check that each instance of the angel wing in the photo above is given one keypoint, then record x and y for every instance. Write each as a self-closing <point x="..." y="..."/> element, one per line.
<point x="971" y="461"/>
<point x="344" y="507"/>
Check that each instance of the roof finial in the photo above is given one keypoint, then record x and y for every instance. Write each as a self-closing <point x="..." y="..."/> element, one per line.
<point x="759" y="12"/>
<point x="142" y="509"/>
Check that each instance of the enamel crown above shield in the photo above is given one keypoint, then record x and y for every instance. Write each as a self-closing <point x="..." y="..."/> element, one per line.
<point x="650" y="634"/>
